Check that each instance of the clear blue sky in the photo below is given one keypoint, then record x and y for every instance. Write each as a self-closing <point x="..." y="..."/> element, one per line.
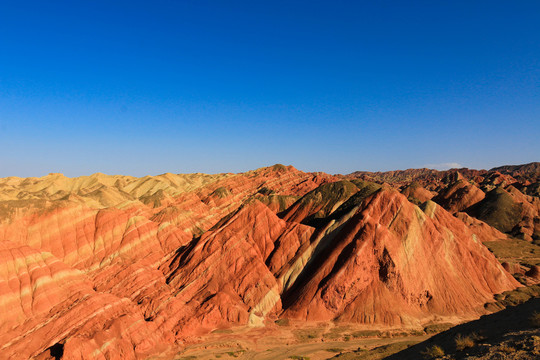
<point x="147" y="87"/>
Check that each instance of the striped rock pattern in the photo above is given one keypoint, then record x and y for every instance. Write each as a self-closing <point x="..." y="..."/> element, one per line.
<point x="117" y="267"/>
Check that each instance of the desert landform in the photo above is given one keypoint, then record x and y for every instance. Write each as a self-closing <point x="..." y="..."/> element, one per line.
<point x="274" y="263"/>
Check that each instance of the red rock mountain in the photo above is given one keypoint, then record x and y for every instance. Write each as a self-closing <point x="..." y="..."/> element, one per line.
<point x="124" y="268"/>
<point x="384" y="263"/>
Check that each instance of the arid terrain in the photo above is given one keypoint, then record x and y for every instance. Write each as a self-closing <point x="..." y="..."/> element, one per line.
<point x="273" y="263"/>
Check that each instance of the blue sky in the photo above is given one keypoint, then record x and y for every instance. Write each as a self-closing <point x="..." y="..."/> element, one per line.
<point x="147" y="87"/>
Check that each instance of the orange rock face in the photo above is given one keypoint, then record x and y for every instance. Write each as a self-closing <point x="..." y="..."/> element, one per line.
<point x="506" y="198"/>
<point x="228" y="275"/>
<point x="52" y="304"/>
<point x="416" y="193"/>
<point x="119" y="267"/>
<point x="459" y="196"/>
<point x="386" y="263"/>
<point x="82" y="258"/>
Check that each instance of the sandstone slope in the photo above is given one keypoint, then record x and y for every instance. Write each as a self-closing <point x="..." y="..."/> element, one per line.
<point x="122" y="267"/>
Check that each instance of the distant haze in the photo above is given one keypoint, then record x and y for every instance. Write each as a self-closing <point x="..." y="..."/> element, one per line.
<point x="138" y="87"/>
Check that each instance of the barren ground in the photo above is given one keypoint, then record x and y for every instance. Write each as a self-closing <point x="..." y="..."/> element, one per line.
<point x="313" y="341"/>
